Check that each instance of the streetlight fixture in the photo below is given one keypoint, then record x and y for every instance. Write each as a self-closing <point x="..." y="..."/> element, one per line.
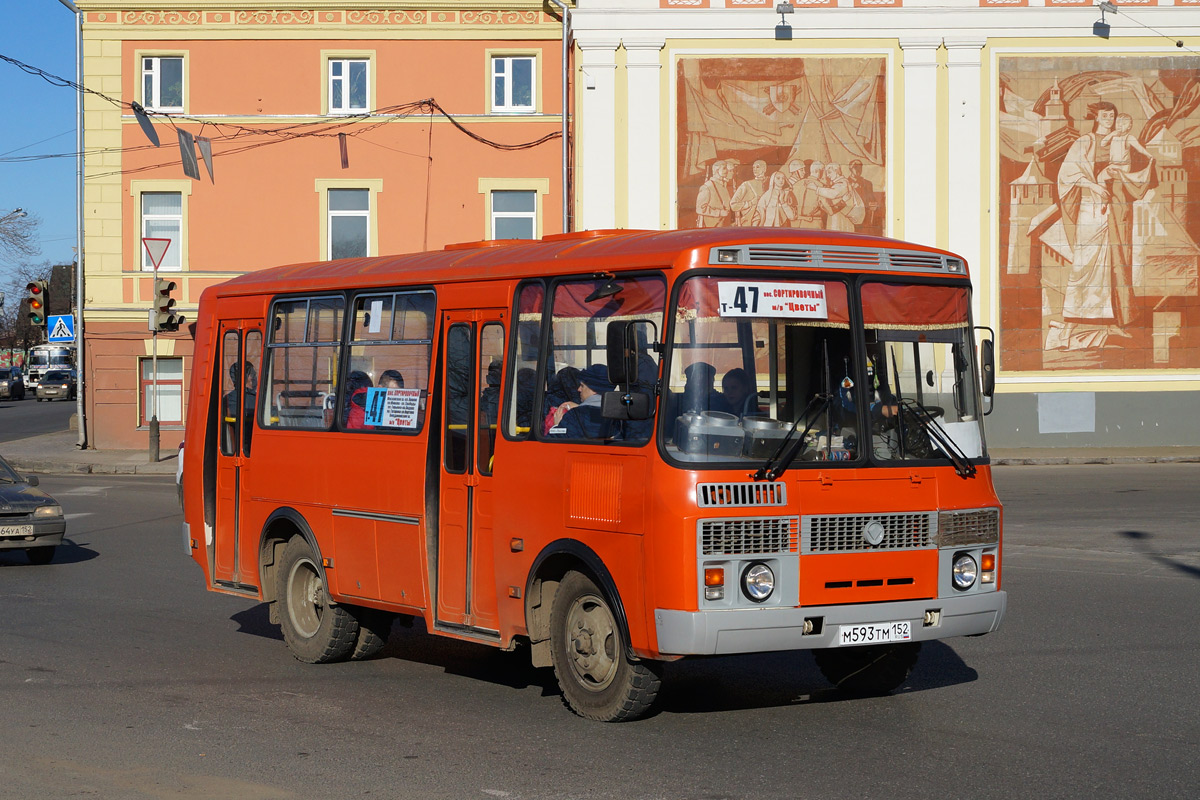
<point x="783" y="31"/>
<point x="1100" y="27"/>
<point x="16" y="213"/>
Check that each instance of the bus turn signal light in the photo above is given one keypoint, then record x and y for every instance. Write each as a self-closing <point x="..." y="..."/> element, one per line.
<point x="987" y="568"/>
<point x="714" y="583"/>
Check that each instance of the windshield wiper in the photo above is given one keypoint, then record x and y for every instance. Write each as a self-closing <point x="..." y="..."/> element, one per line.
<point x="945" y="443"/>
<point x="770" y="471"/>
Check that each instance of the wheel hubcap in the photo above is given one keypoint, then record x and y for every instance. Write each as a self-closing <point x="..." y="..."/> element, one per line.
<point x="305" y="598"/>
<point x="593" y="643"/>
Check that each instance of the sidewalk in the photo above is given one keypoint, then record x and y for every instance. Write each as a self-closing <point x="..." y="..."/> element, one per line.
<point x="56" y="453"/>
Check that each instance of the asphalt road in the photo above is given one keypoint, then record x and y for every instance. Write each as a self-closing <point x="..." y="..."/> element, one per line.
<point x="123" y="678"/>
<point x="22" y="418"/>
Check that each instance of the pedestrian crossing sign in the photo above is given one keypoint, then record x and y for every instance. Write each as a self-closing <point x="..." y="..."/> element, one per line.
<point x="62" y="328"/>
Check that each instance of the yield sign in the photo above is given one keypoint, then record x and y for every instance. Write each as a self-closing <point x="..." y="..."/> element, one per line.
<point x="156" y="249"/>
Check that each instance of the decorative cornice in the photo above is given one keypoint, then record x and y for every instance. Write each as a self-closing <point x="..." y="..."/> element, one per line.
<point x="227" y="14"/>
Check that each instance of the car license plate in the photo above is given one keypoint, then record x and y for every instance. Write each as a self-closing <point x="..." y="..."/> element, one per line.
<point x="16" y="530"/>
<point x="877" y="633"/>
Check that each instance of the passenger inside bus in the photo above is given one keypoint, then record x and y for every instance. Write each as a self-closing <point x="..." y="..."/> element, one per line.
<point x="583" y="421"/>
<point x="489" y="398"/>
<point x="561" y="396"/>
<point x="248" y="391"/>
<point x="699" y="393"/>
<point x="354" y="411"/>
<point x="391" y="379"/>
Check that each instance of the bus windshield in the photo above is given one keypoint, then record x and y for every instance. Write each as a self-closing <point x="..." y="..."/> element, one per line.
<point x="757" y="362"/>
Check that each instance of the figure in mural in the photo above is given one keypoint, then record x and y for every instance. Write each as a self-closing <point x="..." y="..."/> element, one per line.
<point x="712" y="202"/>
<point x="1100" y="229"/>
<point x="809" y="211"/>
<point x="866" y="191"/>
<point x="1096" y="202"/>
<point x="744" y="202"/>
<point x="777" y="206"/>
<point x="844" y="209"/>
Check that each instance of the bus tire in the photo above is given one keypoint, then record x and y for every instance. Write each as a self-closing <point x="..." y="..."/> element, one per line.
<point x="598" y="679"/>
<point x="374" y="626"/>
<point x="868" y="670"/>
<point x="316" y="631"/>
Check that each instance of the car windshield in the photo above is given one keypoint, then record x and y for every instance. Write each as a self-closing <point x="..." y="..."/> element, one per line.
<point x="57" y="376"/>
<point x="7" y="475"/>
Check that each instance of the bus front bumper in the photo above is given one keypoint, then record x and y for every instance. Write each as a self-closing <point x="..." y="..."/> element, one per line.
<point x="758" y="630"/>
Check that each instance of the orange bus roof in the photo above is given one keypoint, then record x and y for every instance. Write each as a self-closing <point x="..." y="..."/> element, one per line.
<point x="556" y="254"/>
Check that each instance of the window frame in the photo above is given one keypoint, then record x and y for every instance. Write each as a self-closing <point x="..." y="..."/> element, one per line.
<point x="328" y="58"/>
<point x="181" y="187"/>
<point x="374" y="187"/>
<point x="152" y="103"/>
<point x="146" y="385"/>
<point x="496" y="57"/>
<point x="487" y="186"/>
<point x="266" y="389"/>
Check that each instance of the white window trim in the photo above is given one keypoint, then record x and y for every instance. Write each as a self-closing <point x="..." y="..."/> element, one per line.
<point x="488" y="185"/>
<point x="181" y="187"/>
<point x="507" y="107"/>
<point x="373" y="185"/>
<point x="327" y="59"/>
<point x="151" y="103"/>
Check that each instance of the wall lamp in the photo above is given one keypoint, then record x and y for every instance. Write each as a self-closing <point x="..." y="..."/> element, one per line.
<point x="783" y="31"/>
<point x="1100" y="27"/>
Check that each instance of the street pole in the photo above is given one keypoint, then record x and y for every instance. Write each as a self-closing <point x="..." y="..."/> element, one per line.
<point x="154" y="441"/>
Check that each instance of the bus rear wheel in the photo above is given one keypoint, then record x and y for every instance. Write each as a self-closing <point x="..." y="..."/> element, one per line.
<point x="868" y="670"/>
<point x="316" y="631"/>
<point x="598" y="679"/>
<point x="374" y="627"/>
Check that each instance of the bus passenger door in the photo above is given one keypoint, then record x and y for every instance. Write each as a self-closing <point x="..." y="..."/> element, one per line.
<point x="241" y="356"/>
<point x="472" y="358"/>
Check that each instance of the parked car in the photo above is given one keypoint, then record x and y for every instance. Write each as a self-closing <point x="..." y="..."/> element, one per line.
<point x="56" y="383"/>
<point x="30" y="519"/>
<point x="12" y="383"/>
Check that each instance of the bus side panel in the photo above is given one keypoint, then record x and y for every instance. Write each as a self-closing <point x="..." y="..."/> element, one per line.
<point x="197" y="507"/>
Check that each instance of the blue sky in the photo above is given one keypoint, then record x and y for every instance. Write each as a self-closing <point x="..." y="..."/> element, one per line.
<point x="39" y="119"/>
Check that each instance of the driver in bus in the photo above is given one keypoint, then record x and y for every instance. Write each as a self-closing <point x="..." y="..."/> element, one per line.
<point x="737" y="387"/>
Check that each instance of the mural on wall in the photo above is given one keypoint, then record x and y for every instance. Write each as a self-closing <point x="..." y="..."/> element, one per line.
<point x="789" y="142"/>
<point x="1099" y="213"/>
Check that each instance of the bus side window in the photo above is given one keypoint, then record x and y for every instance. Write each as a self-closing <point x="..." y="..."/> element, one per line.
<point x="526" y="341"/>
<point x="491" y="351"/>
<point x="230" y="389"/>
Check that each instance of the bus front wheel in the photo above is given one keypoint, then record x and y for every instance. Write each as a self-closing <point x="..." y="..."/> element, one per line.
<point x="868" y="670"/>
<point x="316" y="631"/>
<point x="598" y="679"/>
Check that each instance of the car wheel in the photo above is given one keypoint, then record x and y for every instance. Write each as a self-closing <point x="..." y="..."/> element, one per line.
<point x="316" y="631"/>
<point x="598" y="679"/>
<point x="40" y="555"/>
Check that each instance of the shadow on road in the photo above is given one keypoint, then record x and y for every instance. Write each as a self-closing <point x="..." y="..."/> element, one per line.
<point x="66" y="553"/>
<point x="1141" y="541"/>
<point x="768" y="680"/>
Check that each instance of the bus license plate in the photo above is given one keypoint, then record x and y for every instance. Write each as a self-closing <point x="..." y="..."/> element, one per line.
<point x="878" y="633"/>
<point x="16" y="530"/>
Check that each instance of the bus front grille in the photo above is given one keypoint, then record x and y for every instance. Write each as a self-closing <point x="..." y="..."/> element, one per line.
<point x="969" y="527"/>
<point x="741" y="495"/>
<point x="743" y="536"/>
<point x="849" y="533"/>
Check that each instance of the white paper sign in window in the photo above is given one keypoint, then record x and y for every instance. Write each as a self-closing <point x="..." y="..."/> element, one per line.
<point x="763" y="299"/>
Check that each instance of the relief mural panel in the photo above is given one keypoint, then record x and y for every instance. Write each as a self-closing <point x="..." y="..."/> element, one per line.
<point x="790" y="142"/>
<point x="1099" y="213"/>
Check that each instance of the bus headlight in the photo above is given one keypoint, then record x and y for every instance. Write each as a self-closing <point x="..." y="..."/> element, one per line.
<point x="758" y="581"/>
<point x="964" y="572"/>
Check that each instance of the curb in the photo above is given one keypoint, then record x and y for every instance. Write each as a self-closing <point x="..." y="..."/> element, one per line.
<point x="58" y="468"/>
<point x="1076" y="460"/>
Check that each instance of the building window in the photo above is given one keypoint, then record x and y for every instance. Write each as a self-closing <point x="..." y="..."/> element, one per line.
<point x="514" y="214"/>
<point x="513" y="83"/>
<point x="348" y="85"/>
<point x="162" y="218"/>
<point x="162" y="83"/>
<point x="349" y="222"/>
<point x="169" y="406"/>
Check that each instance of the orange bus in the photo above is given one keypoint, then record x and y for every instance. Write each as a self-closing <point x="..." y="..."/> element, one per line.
<point x="617" y="448"/>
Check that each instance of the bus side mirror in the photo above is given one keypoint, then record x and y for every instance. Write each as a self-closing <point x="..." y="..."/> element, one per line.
<point x="987" y="364"/>
<point x="621" y="351"/>
<point x="625" y="405"/>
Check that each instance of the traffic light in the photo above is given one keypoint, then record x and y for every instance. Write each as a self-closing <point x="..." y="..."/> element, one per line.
<point x="37" y="302"/>
<point x="163" y="315"/>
